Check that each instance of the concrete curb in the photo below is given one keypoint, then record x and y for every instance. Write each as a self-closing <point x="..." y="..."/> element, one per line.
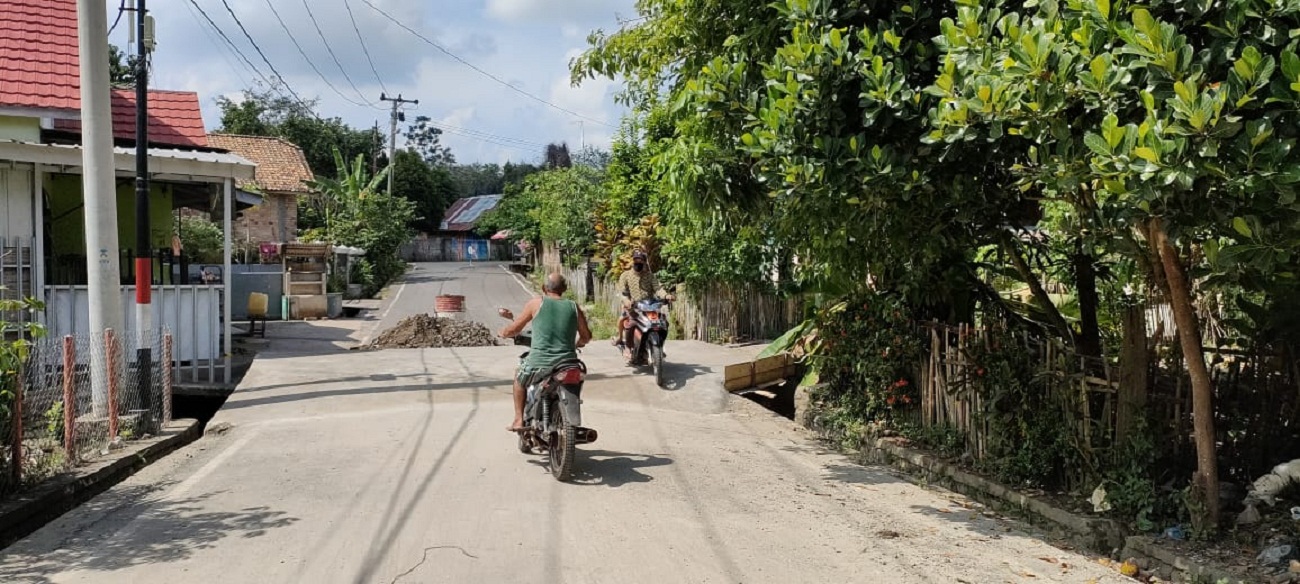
<point x="1141" y="546"/>
<point x="30" y="511"/>
<point x="1102" y="535"/>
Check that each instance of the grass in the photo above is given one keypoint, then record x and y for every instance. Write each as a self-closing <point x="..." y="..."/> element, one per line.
<point x="602" y="322"/>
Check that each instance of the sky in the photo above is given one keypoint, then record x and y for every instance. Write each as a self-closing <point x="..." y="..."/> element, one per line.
<point x="525" y="43"/>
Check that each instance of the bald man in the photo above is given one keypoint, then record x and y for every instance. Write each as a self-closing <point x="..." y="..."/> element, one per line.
<point x="559" y="330"/>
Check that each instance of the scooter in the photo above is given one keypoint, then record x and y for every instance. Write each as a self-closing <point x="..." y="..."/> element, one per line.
<point x="649" y="322"/>
<point x="553" y="412"/>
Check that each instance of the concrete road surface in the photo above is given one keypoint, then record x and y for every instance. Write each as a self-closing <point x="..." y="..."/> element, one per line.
<point x="485" y="286"/>
<point x="395" y="467"/>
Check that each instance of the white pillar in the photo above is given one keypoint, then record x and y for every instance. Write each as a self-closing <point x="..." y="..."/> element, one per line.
<point x="227" y="277"/>
<point x="102" y="261"/>
<point x="38" y="222"/>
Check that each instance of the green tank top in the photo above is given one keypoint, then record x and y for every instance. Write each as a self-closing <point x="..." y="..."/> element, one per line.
<point x="555" y="334"/>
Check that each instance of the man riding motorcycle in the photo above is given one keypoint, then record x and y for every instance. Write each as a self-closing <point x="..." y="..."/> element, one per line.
<point x="559" y="330"/>
<point x="639" y="283"/>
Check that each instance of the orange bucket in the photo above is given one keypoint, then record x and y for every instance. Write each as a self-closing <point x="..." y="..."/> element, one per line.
<point x="449" y="303"/>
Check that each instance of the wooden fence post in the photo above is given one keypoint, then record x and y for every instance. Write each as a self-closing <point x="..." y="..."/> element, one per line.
<point x="17" y="446"/>
<point x="167" y="378"/>
<point x="70" y="398"/>
<point x="110" y="348"/>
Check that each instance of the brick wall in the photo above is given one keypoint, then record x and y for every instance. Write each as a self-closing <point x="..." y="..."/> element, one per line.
<point x="276" y="219"/>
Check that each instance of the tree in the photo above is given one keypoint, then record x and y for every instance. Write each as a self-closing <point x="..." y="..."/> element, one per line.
<point x="429" y="187"/>
<point x="1170" y="127"/>
<point x="557" y="156"/>
<point x="473" y="180"/>
<point x="593" y="157"/>
<point x="269" y="113"/>
<point x="425" y="139"/>
<point x="121" y="74"/>
<point x="358" y="212"/>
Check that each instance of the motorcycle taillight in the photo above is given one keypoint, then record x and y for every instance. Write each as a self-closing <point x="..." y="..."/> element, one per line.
<point x="569" y="376"/>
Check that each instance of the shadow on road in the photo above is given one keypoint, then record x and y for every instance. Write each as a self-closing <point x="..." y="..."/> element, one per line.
<point x="151" y="532"/>
<point x="610" y="469"/>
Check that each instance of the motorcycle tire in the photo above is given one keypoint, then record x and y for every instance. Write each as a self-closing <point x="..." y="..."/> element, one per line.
<point x="563" y="445"/>
<point x="657" y="362"/>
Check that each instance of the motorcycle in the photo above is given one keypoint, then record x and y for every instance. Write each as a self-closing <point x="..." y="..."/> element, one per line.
<point x="649" y="322"/>
<point x="553" y="413"/>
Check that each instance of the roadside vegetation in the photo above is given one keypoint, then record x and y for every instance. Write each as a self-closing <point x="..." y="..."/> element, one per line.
<point x="1099" y="195"/>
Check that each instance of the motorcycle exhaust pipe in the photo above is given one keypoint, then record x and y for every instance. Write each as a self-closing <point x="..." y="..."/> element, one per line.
<point x="585" y="435"/>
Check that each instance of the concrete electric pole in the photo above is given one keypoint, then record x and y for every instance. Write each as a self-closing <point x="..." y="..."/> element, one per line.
<point x="392" y="135"/>
<point x="103" y="267"/>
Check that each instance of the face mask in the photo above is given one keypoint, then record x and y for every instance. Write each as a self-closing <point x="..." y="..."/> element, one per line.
<point x="638" y="267"/>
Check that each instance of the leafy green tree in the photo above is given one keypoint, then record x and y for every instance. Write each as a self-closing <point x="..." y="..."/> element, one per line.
<point x="121" y="68"/>
<point x="202" y="240"/>
<point x="429" y="187"/>
<point x="478" y="179"/>
<point x="426" y="140"/>
<point x="267" y="113"/>
<point x="1169" y="126"/>
<point x="358" y="212"/>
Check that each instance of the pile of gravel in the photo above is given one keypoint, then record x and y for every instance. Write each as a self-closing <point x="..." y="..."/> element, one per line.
<point x="425" y="331"/>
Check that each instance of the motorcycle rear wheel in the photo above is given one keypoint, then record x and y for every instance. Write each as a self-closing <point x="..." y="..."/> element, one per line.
<point x="563" y="445"/>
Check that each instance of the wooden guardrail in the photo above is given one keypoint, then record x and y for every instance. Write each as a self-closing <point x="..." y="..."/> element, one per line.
<point x="760" y="373"/>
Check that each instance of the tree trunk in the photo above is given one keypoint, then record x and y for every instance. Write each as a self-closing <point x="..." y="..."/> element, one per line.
<point x="1085" y="272"/>
<point x="1134" y="362"/>
<point x="1040" y="294"/>
<point x="1205" y="482"/>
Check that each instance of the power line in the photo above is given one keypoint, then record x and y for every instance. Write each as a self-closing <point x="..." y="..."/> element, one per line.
<point x="232" y="45"/>
<point x="347" y="4"/>
<point x="225" y="50"/>
<point x="330" y="50"/>
<point x="308" y="59"/>
<point x="477" y="69"/>
<point x="282" y="78"/>
<point x="484" y="135"/>
<point x="120" y="9"/>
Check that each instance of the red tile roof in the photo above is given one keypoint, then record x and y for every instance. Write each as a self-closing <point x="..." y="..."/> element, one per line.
<point x="38" y="54"/>
<point x="281" y="165"/>
<point x="174" y="118"/>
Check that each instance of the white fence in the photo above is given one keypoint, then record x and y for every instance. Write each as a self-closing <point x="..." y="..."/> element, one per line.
<point x="193" y="313"/>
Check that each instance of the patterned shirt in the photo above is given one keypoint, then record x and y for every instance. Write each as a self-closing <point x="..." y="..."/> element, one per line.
<point x="640" y="285"/>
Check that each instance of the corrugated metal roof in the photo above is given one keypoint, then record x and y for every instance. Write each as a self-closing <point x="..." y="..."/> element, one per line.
<point x="218" y="163"/>
<point x="464" y="213"/>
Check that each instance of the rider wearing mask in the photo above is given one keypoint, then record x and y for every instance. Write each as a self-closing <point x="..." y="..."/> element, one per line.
<point x="638" y="283"/>
<point x="559" y="330"/>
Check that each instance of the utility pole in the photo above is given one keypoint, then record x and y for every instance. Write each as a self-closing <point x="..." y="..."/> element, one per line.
<point x="103" y="268"/>
<point x="392" y="136"/>
<point x="143" y="239"/>
<point x="582" y="129"/>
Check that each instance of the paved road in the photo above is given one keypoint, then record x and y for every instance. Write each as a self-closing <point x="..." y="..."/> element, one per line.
<point x="485" y="286"/>
<point x="394" y="467"/>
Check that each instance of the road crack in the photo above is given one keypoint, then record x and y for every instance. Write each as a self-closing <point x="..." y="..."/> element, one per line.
<point x="424" y="558"/>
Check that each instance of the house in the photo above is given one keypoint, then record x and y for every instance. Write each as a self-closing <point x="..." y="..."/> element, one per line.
<point x="282" y="179"/>
<point x="456" y="239"/>
<point x="42" y="241"/>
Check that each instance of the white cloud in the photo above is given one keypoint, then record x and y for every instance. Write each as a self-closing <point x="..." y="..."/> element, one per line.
<point x="550" y="10"/>
<point x="532" y="55"/>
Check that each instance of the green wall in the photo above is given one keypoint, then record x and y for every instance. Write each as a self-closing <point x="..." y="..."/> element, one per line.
<point x="68" y="223"/>
<point x="20" y="129"/>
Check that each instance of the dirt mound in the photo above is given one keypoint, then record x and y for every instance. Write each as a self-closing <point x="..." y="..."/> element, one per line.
<point x="424" y="331"/>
